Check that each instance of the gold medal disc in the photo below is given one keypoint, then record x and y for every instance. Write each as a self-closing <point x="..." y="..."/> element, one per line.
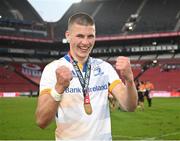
<point x="88" y="108"/>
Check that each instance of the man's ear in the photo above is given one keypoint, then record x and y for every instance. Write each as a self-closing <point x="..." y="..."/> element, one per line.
<point x="67" y="40"/>
<point x="67" y="35"/>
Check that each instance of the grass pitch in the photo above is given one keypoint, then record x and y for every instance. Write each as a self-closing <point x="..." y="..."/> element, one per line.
<point x="159" y="122"/>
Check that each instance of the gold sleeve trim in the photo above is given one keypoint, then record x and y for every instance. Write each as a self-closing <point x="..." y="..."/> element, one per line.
<point x="45" y="91"/>
<point x="113" y="84"/>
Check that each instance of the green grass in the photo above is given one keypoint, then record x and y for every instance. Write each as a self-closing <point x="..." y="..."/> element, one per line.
<point x="17" y="120"/>
<point x="159" y="122"/>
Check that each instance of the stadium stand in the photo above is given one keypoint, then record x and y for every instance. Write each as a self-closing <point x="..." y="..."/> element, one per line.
<point x="108" y="23"/>
<point x="162" y="79"/>
<point x="158" y="16"/>
<point x="18" y="18"/>
<point x="111" y="16"/>
<point x="144" y="30"/>
<point x="11" y="81"/>
<point x="25" y="9"/>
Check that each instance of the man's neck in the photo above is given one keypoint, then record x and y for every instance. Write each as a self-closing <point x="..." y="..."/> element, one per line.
<point x="80" y="60"/>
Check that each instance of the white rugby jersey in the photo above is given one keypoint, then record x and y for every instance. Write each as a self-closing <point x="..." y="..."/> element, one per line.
<point x="72" y="121"/>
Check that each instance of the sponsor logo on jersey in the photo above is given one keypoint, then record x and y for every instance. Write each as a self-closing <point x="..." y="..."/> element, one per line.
<point x="91" y="89"/>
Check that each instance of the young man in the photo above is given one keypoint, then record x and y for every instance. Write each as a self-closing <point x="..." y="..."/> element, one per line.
<point x="74" y="89"/>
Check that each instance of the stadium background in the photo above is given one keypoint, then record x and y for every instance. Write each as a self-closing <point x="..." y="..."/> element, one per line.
<point x="147" y="31"/>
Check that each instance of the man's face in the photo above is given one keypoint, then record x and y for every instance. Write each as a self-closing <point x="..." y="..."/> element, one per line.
<point x="81" y="39"/>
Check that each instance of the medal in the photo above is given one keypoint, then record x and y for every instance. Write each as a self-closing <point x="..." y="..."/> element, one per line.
<point x="84" y="83"/>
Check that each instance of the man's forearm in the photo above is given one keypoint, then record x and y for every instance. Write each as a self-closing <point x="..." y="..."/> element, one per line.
<point x="132" y="96"/>
<point x="46" y="110"/>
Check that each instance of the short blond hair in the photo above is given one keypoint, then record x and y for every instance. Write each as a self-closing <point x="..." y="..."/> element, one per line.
<point x="81" y="18"/>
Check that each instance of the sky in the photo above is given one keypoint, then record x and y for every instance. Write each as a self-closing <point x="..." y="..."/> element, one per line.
<point x="51" y="10"/>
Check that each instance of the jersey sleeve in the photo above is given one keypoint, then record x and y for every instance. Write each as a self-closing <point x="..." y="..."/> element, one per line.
<point x="114" y="78"/>
<point x="48" y="78"/>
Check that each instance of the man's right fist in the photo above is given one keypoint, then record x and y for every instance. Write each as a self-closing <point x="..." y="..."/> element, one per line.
<point x="63" y="76"/>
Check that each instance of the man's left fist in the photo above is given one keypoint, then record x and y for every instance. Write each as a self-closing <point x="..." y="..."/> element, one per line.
<point x="124" y="66"/>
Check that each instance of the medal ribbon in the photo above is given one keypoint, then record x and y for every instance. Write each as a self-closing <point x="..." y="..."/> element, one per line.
<point x="84" y="81"/>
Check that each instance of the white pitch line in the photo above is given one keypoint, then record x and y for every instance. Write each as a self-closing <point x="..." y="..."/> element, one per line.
<point x="129" y="137"/>
<point x="150" y="138"/>
<point x="168" y="134"/>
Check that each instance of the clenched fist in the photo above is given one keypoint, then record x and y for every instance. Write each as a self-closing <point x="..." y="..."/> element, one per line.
<point x="124" y="66"/>
<point x="63" y="76"/>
